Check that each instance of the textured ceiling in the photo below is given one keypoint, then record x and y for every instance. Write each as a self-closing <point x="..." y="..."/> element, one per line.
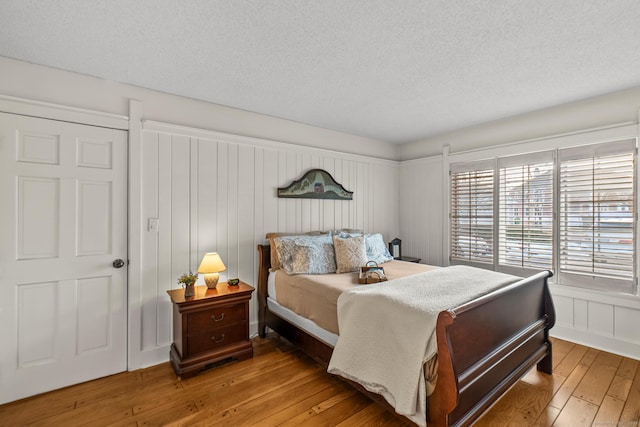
<point x="397" y="71"/>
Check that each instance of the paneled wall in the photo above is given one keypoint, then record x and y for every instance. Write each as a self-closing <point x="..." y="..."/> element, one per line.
<point x="422" y="210"/>
<point x="204" y="191"/>
<point x="597" y="319"/>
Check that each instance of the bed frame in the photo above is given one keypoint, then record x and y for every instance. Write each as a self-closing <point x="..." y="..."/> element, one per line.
<point x="484" y="346"/>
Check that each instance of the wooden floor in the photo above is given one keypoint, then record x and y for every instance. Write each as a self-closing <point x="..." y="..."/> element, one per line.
<point x="280" y="386"/>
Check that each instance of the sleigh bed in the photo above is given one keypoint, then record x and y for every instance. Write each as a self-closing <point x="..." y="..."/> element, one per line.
<point x="484" y="346"/>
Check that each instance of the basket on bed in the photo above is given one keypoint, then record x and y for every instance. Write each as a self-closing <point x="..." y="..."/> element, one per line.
<point x="371" y="273"/>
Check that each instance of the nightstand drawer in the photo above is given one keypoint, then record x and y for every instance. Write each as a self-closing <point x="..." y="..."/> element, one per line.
<point x="218" y="338"/>
<point x="217" y="317"/>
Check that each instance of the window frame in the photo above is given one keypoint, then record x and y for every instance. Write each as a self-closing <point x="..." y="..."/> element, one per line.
<point x="594" y="281"/>
<point x="547" y="156"/>
<point x="470" y="167"/>
<point x="581" y="143"/>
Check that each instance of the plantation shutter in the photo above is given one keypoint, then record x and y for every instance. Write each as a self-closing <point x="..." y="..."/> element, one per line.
<point x="525" y="223"/>
<point x="597" y="220"/>
<point x="472" y="213"/>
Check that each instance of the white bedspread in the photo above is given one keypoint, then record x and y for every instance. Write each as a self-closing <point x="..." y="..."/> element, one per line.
<point x="387" y="331"/>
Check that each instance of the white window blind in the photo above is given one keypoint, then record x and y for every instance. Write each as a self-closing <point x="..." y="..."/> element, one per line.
<point x="525" y="220"/>
<point x="472" y="215"/>
<point x="597" y="215"/>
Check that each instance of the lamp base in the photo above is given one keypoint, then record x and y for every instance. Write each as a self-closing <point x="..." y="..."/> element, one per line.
<point x="211" y="279"/>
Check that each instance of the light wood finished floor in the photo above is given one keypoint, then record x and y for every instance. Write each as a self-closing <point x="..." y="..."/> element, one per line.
<point x="280" y="386"/>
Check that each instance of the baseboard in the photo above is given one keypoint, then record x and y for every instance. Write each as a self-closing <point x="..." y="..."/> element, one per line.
<point x="253" y="329"/>
<point x="600" y="342"/>
<point x="151" y="357"/>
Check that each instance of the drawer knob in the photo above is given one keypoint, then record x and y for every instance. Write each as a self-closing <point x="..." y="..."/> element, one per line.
<point x="213" y="338"/>
<point x="219" y="319"/>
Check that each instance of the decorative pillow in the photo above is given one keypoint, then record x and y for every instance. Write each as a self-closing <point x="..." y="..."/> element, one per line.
<point x="376" y="249"/>
<point x="306" y="254"/>
<point x="275" y="261"/>
<point x="351" y="253"/>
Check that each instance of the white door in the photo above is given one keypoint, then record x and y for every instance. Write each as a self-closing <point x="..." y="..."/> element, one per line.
<point x="63" y="223"/>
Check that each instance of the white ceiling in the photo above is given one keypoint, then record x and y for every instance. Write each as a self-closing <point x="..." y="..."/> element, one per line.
<point x="397" y="71"/>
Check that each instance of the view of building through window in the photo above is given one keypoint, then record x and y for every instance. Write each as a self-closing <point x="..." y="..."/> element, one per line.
<point x="596" y="216"/>
<point x="567" y="210"/>
<point x="526" y="216"/>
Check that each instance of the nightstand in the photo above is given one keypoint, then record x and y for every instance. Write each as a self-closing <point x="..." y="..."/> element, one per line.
<point x="210" y="327"/>
<point x="408" y="259"/>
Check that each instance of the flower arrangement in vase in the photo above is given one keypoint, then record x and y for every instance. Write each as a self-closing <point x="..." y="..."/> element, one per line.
<point x="188" y="280"/>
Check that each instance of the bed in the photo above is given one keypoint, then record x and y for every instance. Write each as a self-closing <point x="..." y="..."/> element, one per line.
<point x="484" y="345"/>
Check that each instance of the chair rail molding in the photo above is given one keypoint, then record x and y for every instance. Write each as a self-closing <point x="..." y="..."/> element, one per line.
<point x="172" y="129"/>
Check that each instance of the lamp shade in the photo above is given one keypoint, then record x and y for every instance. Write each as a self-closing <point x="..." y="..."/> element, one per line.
<point x="211" y="263"/>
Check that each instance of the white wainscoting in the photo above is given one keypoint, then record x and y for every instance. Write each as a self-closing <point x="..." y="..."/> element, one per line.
<point x="421" y="210"/>
<point x="204" y="191"/>
<point x="597" y="319"/>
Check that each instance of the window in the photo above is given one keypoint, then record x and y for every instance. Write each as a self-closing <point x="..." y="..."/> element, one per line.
<point x="568" y="210"/>
<point x="526" y="212"/>
<point x="597" y="215"/>
<point x="472" y="214"/>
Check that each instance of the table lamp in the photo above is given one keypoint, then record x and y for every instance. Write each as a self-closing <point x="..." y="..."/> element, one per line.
<point x="210" y="266"/>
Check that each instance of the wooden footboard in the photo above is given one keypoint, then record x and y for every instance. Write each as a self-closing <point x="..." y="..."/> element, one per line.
<point x="484" y="346"/>
<point x="487" y="345"/>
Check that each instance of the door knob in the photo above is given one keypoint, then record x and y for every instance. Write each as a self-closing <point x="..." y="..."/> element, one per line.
<point x="118" y="263"/>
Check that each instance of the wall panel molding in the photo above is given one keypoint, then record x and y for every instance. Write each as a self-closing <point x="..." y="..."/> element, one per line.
<point x="420" y="209"/>
<point x="209" y="191"/>
<point x="154" y="126"/>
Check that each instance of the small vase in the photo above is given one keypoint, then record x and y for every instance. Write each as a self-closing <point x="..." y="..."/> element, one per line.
<point x="189" y="290"/>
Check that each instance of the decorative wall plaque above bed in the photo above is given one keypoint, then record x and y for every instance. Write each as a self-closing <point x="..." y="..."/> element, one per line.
<point x="316" y="184"/>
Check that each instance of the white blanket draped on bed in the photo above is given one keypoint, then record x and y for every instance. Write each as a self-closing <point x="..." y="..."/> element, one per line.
<point x="387" y="330"/>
